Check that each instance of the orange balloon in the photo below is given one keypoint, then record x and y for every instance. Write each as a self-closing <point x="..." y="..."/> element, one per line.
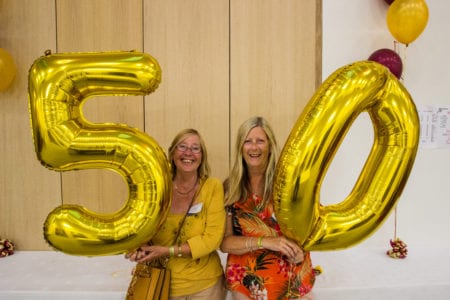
<point x="7" y="70"/>
<point x="406" y="19"/>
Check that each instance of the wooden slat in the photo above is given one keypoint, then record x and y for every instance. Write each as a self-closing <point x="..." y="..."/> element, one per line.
<point x="190" y="40"/>
<point x="274" y="69"/>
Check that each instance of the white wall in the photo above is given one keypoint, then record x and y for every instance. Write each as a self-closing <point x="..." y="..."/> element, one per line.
<point x="352" y="30"/>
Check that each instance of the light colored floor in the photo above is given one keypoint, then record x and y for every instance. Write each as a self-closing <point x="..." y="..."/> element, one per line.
<point x="354" y="273"/>
<point x="367" y="273"/>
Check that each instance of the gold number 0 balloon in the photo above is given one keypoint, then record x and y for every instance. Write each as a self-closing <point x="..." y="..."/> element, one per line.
<point x="311" y="145"/>
<point x="59" y="84"/>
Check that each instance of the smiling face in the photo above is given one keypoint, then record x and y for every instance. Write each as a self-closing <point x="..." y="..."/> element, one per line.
<point x="184" y="158"/>
<point x="255" y="150"/>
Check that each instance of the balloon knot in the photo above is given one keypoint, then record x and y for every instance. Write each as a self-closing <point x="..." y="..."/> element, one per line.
<point x="6" y="247"/>
<point x="398" y="249"/>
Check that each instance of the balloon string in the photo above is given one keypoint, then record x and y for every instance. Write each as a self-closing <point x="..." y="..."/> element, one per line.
<point x="403" y="58"/>
<point x="396" y="49"/>
<point x="398" y="247"/>
<point x="402" y="78"/>
<point x="395" y="223"/>
<point x="61" y="187"/>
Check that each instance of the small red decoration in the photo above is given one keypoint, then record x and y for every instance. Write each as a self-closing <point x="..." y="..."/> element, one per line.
<point x="398" y="249"/>
<point x="6" y="247"/>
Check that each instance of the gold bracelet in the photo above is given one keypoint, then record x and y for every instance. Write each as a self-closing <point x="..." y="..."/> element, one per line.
<point x="179" y="254"/>
<point x="171" y="251"/>
<point x="260" y="239"/>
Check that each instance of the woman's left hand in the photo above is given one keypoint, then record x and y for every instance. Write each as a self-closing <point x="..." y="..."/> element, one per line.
<point x="299" y="257"/>
<point x="286" y="246"/>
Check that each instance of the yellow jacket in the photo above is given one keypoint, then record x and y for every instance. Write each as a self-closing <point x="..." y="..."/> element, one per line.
<point x="203" y="230"/>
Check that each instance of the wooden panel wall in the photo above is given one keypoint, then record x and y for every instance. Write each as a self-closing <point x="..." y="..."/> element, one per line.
<point x="275" y="61"/>
<point x="222" y="62"/>
<point x="28" y="191"/>
<point x="191" y="41"/>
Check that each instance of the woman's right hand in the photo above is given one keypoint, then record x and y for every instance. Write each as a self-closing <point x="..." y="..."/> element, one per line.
<point x="147" y="253"/>
<point x="135" y="255"/>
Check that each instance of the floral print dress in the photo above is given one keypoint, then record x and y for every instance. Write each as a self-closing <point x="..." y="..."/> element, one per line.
<point x="264" y="274"/>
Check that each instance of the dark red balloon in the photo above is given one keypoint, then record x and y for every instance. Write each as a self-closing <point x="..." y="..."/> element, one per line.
<point x="389" y="1"/>
<point x="389" y="59"/>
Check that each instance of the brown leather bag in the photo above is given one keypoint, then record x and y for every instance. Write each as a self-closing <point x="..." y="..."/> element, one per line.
<point x="149" y="283"/>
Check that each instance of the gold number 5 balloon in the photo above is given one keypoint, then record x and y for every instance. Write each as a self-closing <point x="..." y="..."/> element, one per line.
<point x="64" y="140"/>
<point x="311" y="145"/>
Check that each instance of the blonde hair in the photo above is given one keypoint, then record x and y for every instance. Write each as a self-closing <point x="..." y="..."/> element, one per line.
<point x="236" y="186"/>
<point x="204" y="169"/>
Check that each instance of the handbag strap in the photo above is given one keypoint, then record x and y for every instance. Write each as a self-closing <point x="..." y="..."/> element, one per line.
<point x="187" y="211"/>
<point x="162" y="261"/>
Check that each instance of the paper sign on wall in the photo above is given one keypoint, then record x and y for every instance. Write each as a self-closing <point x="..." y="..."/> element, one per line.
<point x="434" y="126"/>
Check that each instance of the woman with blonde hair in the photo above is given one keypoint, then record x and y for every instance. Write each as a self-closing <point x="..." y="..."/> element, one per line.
<point x="197" y="204"/>
<point x="261" y="263"/>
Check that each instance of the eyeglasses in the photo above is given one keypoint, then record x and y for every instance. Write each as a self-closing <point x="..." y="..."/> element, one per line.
<point x="194" y="149"/>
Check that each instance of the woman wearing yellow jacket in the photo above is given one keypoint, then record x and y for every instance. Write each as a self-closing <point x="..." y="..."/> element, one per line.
<point x="195" y="265"/>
